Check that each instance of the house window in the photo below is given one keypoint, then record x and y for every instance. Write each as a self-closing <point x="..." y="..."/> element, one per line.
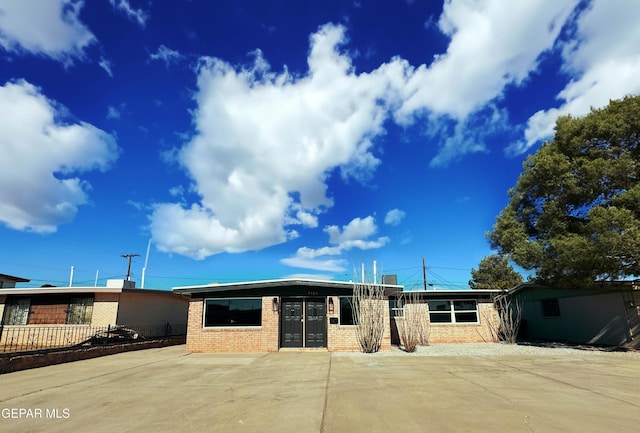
<point x="16" y="311"/>
<point x="550" y="307"/>
<point x="233" y="312"/>
<point x="449" y="311"/>
<point x="346" y="311"/>
<point x="396" y="308"/>
<point x="80" y="311"/>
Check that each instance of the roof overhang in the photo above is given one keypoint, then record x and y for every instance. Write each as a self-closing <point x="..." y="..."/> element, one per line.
<point x="79" y="290"/>
<point x="470" y="293"/>
<point x="6" y="277"/>
<point x="323" y="285"/>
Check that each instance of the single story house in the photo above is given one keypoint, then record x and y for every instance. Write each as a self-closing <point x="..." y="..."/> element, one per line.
<point x="454" y="316"/>
<point x="271" y="315"/>
<point x="607" y="313"/>
<point x="72" y="314"/>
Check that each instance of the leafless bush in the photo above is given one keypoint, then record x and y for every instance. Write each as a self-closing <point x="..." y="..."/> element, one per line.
<point x="509" y="310"/>
<point x="413" y="325"/>
<point x="368" y="313"/>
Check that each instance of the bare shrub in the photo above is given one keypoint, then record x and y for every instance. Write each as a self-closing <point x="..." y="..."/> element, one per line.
<point x="509" y="310"/>
<point x="413" y="325"/>
<point x="368" y="305"/>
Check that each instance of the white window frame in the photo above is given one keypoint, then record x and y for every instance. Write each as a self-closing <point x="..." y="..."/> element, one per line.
<point x="204" y="314"/>
<point x="452" y="312"/>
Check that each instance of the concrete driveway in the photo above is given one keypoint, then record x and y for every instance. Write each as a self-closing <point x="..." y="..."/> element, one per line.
<point x="169" y="390"/>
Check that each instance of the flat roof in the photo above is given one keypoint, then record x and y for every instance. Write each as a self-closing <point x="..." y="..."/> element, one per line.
<point x="62" y="290"/>
<point x="597" y="285"/>
<point x="457" y="292"/>
<point x="284" y="282"/>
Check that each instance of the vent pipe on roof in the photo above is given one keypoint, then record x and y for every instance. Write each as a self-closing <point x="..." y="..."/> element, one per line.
<point x="71" y="277"/>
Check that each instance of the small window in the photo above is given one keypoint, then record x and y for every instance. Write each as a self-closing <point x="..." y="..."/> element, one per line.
<point x="396" y="307"/>
<point x="233" y="312"/>
<point x="80" y="311"/>
<point x="346" y="311"/>
<point x="550" y="307"/>
<point x="16" y="311"/>
<point x="463" y="311"/>
<point x="440" y="311"/>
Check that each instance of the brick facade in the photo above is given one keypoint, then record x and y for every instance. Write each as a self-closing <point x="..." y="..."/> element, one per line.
<point x="344" y="337"/>
<point x="467" y="332"/>
<point x="266" y="338"/>
<point x="105" y="309"/>
<point x="233" y="339"/>
<point x="481" y="332"/>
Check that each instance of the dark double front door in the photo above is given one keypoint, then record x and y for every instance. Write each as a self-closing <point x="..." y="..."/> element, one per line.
<point x="303" y="323"/>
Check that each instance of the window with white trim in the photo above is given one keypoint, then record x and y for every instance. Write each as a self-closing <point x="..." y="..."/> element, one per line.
<point x="453" y="311"/>
<point x="233" y="312"/>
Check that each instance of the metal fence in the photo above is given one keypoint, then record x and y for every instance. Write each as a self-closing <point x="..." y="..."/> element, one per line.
<point x="36" y="337"/>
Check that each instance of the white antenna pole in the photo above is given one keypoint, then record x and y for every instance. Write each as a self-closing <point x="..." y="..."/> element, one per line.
<point x="96" y="283"/>
<point x="71" y="277"/>
<point x="375" y="276"/>
<point x="146" y="260"/>
<point x="363" y="273"/>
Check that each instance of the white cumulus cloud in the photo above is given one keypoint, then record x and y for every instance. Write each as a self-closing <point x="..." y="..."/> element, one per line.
<point x="356" y="234"/>
<point x="39" y="186"/>
<point x="492" y="46"/>
<point x="266" y="142"/>
<point x="51" y="28"/>
<point x="604" y="56"/>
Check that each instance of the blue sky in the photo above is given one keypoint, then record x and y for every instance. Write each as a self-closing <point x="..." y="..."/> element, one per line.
<point x="256" y="140"/>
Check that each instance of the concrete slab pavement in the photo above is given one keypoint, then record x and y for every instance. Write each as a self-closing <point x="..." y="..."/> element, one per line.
<point x="169" y="390"/>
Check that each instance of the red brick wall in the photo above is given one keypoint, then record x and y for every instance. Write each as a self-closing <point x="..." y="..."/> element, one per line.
<point x="54" y="313"/>
<point x="240" y="339"/>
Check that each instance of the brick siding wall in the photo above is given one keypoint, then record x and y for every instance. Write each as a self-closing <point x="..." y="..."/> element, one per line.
<point x="232" y="339"/>
<point x="344" y="337"/>
<point x="461" y="332"/>
<point x="105" y="309"/>
<point x="266" y="337"/>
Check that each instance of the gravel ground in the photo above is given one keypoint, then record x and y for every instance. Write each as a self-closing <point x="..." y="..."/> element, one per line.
<point x="500" y="349"/>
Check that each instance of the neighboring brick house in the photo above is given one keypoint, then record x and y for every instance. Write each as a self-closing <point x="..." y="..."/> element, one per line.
<point x="607" y="313"/>
<point x="454" y="316"/>
<point x="72" y="314"/>
<point x="270" y="315"/>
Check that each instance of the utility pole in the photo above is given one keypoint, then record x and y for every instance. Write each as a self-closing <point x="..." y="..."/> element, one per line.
<point x="129" y="256"/>
<point x="424" y="274"/>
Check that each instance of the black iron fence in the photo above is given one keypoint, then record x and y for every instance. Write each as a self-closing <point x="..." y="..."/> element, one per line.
<point x="37" y="337"/>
